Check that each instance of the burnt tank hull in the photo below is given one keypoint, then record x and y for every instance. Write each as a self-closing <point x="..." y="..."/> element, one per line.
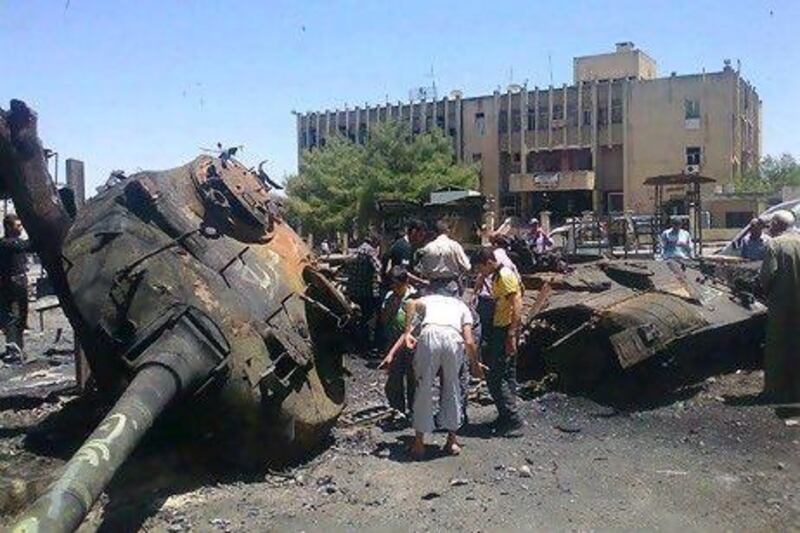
<point x="615" y="317"/>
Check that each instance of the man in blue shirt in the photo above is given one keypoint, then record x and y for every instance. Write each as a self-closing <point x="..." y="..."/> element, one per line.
<point x="754" y="244"/>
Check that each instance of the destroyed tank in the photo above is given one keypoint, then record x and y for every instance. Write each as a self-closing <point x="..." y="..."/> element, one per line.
<point x="612" y="318"/>
<point x="186" y="290"/>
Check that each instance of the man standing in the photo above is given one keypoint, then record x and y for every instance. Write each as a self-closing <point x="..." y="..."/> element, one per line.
<point x="780" y="276"/>
<point x="325" y="248"/>
<point x="443" y="260"/>
<point x="398" y="362"/>
<point x="676" y="242"/>
<point x="446" y="332"/>
<point x="401" y="253"/>
<point x="538" y="240"/>
<point x="781" y="222"/>
<point x="363" y="272"/>
<point x="483" y="288"/>
<point x="502" y="350"/>
<point x="755" y="242"/>
<point x="14" y="281"/>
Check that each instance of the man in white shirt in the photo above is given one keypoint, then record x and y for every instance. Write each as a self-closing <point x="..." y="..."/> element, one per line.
<point x="445" y="335"/>
<point x="676" y="242"/>
<point x="443" y="259"/>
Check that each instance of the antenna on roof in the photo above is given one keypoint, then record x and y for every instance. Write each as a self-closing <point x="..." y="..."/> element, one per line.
<point x="432" y="76"/>
<point x="550" y="65"/>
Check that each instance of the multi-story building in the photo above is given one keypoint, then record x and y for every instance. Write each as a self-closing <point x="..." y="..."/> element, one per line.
<point x="585" y="146"/>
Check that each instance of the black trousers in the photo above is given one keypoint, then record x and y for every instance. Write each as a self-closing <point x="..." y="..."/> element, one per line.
<point x="14" y="305"/>
<point x="400" y="382"/>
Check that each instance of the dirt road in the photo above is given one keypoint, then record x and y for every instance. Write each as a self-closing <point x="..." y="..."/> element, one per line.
<point x="702" y="462"/>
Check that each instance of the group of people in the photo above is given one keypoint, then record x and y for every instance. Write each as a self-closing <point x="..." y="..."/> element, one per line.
<point x="676" y="242"/>
<point x="773" y="241"/>
<point x="760" y="231"/>
<point x="433" y="338"/>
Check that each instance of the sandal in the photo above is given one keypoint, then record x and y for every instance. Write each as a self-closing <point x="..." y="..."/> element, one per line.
<point x="452" y="449"/>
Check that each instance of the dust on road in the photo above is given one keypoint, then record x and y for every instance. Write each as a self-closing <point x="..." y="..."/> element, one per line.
<point x="705" y="459"/>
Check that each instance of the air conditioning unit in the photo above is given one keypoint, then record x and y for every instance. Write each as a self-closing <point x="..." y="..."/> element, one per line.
<point x="692" y="169"/>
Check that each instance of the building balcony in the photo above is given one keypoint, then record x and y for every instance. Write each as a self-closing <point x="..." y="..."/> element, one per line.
<point x="566" y="180"/>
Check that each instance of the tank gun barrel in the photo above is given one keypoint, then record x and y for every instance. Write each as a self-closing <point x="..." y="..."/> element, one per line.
<point x="182" y="360"/>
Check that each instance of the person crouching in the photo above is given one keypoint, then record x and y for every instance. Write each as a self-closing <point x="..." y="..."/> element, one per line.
<point x="445" y="335"/>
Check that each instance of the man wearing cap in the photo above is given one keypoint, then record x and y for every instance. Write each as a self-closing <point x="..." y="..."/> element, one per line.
<point x="780" y="277"/>
<point x="676" y="242"/>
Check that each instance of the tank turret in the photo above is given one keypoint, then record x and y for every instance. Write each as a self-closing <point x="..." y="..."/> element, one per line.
<point x="186" y="289"/>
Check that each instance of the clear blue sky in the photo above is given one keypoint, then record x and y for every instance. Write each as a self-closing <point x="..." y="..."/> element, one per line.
<point x="129" y="84"/>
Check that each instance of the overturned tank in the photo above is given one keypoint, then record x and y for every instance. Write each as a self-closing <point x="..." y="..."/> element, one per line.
<point x="188" y="292"/>
<point x="613" y="317"/>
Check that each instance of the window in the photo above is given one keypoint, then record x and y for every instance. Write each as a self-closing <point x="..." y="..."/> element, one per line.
<point x="543" y="118"/>
<point x="502" y="122"/>
<point x="737" y="219"/>
<point x="602" y="116"/>
<point x="615" y="202"/>
<point x="587" y="117"/>
<point x="691" y="109"/>
<point x="531" y="119"/>
<point x="693" y="155"/>
<point x="616" y="111"/>
<point x="480" y="124"/>
<point x="517" y="157"/>
<point x="476" y="158"/>
<point x="572" y="114"/>
<point x="516" y="121"/>
<point x="558" y="112"/>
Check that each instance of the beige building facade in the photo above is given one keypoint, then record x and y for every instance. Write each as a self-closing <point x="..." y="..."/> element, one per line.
<point x="587" y="146"/>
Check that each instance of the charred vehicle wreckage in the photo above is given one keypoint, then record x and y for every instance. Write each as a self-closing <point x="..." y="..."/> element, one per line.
<point x="611" y="318"/>
<point x="187" y="290"/>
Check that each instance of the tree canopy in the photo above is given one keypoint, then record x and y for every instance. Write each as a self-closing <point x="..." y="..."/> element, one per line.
<point x="339" y="184"/>
<point x="772" y="174"/>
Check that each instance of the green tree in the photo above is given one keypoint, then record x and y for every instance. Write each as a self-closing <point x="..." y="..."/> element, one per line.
<point x="772" y="173"/>
<point x="324" y="196"/>
<point x="341" y="183"/>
